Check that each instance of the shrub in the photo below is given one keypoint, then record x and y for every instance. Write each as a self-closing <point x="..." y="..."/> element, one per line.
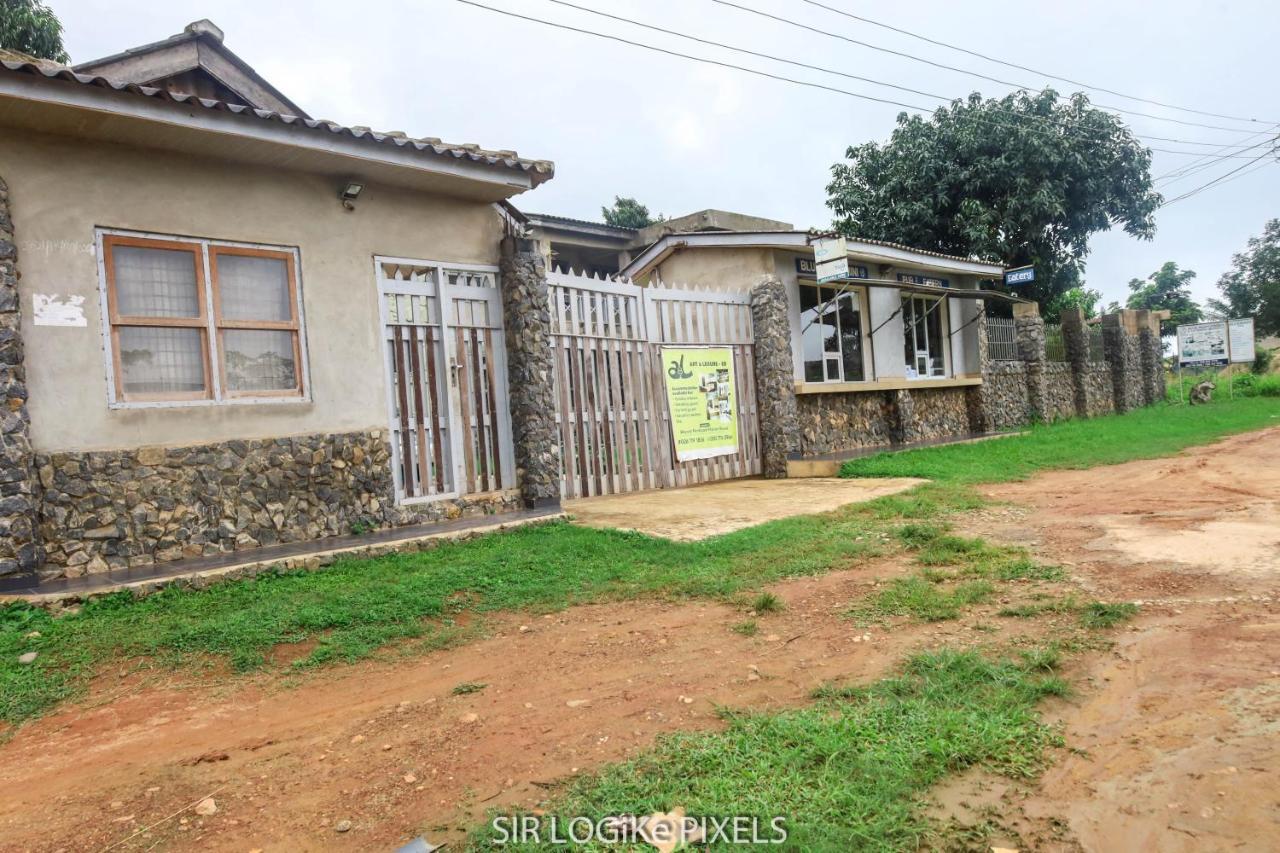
<point x="1262" y="361"/>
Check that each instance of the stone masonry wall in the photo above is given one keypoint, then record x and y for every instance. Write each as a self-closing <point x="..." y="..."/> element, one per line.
<point x="19" y="545"/>
<point x="116" y="509"/>
<point x="1059" y="391"/>
<point x="1098" y="389"/>
<point x="527" y="320"/>
<point x="774" y="369"/>
<point x="939" y="413"/>
<point x="833" y="422"/>
<point x="1004" y="393"/>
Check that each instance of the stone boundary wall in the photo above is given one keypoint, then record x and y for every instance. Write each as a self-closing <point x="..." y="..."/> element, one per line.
<point x="115" y="509"/>
<point x="1005" y="398"/>
<point x="1099" y="393"/>
<point x="1059" y="391"/>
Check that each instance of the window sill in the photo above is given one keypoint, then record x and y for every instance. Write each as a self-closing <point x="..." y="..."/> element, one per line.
<point x="894" y="384"/>
<point x="197" y="404"/>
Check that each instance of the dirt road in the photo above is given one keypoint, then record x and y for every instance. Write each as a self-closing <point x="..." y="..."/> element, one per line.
<point x="1178" y="723"/>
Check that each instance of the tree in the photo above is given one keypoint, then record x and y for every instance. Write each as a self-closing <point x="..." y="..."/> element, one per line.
<point x="1168" y="288"/>
<point x="1251" y="288"/>
<point x="627" y="213"/>
<point x="1085" y="298"/>
<point x="30" y="27"/>
<point x="1025" y="179"/>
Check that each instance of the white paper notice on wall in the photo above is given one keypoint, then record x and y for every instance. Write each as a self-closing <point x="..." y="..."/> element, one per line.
<point x="52" y="309"/>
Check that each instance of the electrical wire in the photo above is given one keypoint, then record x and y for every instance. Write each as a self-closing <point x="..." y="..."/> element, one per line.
<point x="1223" y="178"/>
<point x="1028" y="69"/>
<point x="825" y="70"/>
<point x="765" y="74"/>
<point x="942" y="65"/>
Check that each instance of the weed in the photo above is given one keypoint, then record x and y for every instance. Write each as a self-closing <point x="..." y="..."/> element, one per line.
<point x="1102" y="615"/>
<point x="767" y="602"/>
<point x="468" y="687"/>
<point x="917" y="597"/>
<point x="747" y="629"/>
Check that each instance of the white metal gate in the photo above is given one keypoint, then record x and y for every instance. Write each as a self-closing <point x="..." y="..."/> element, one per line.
<point x="445" y="360"/>
<point x="611" y="410"/>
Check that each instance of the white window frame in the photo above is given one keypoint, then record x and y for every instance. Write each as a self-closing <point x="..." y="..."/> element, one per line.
<point x="944" y="322"/>
<point x="858" y="291"/>
<point x="218" y="397"/>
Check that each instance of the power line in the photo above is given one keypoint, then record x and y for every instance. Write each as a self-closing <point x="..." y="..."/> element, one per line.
<point x="1028" y="69"/>
<point x="825" y="70"/>
<point x="766" y="74"/>
<point x="1218" y="180"/>
<point x="946" y="67"/>
<point x="1210" y="161"/>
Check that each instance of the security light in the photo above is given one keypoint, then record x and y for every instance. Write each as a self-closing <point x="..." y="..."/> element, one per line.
<point x="350" y="193"/>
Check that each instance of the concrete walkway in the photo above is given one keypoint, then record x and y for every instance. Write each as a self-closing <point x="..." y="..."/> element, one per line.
<point x="697" y="512"/>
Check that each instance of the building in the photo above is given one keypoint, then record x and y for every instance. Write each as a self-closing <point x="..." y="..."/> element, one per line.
<point x="228" y="328"/>
<point x="218" y="299"/>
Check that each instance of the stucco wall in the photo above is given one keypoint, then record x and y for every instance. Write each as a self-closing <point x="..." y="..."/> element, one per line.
<point x="60" y="190"/>
<point x="735" y="270"/>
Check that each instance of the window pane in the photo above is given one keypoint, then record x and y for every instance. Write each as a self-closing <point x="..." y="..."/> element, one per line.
<point x="812" y="335"/>
<point x="851" y="337"/>
<point x="259" y="360"/>
<point x="161" y="361"/>
<point x="253" y="288"/>
<point x="155" y="282"/>
<point x="909" y="333"/>
<point x="937" y="339"/>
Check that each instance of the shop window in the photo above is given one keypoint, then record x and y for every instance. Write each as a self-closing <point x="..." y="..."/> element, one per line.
<point x="924" y="323"/>
<point x="195" y="320"/>
<point x="831" y="336"/>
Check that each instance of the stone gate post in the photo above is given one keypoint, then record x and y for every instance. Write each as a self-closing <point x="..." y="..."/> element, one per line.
<point x="1028" y="327"/>
<point x="1124" y="357"/>
<point x="1075" y="337"/>
<point x="526" y="313"/>
<point x="775" y="377"/>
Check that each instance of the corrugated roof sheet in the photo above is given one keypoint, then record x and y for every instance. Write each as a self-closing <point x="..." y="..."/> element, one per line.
<point x="622" y="229"/>
<point x="814" y="232"/>
<point x="540" y="170"/>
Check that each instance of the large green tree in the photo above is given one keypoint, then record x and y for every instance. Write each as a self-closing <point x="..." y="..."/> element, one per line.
<point x="1251" y="288"/>
<point x="30" y="27"/>
<point x="1168" y="288"/>
<point x="627" y="213"/>
<point x="1025" y="179"/>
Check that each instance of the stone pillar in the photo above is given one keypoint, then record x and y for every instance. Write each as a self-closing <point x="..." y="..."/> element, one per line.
<point x="20" y="549"/>
<point x="526" y="312"/>
<point x="1151" y="354"/>
<point x="775" y="377"/>
<point x="1028" y="327"/>
<point x="904" y="429"/>
<point x="977" y="398"/>
<point x="1075" y="336"/>
<point x="1124" y="359"/>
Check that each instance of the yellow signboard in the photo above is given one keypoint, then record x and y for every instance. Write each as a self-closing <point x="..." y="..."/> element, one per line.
<point x="703" y="400"/>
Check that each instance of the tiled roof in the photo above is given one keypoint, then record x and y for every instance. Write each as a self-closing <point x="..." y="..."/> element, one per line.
<point x="540" y="170"/>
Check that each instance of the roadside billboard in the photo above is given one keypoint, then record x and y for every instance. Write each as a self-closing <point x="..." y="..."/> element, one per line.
<point x="1240" y="340"/>
<point x="1203" y="344"/>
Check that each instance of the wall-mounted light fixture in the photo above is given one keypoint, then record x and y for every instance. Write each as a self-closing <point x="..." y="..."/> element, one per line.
<point x="350" y="192"/>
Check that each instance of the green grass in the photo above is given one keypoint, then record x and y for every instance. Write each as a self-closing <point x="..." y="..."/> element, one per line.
<point x="468" y="687"/>
<point x="1103" y="615"/>
<point x="1143" y="434"/>
<point x="767" y="602"/>
<point x="851" y="771"/>
<point x="748" y="628"/>
<point x="923" y="599"/>
<point x="356" y="607"/>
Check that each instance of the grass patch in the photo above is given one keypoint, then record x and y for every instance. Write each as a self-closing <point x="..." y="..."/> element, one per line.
<point x="1033" y="609"/>
<point x="767" y="602"/>
<point x="849" y="772"/>
<point x="356" y="607"/>
<point x="1102" y="615"/>
<point x="746" y="629"/>
<point x="468" y="687"/>
<point x="1143" y="434"/>
<point x="920" y="598"/>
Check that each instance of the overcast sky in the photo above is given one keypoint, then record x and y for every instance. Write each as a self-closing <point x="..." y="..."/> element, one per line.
<point x="682" y="136"/>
